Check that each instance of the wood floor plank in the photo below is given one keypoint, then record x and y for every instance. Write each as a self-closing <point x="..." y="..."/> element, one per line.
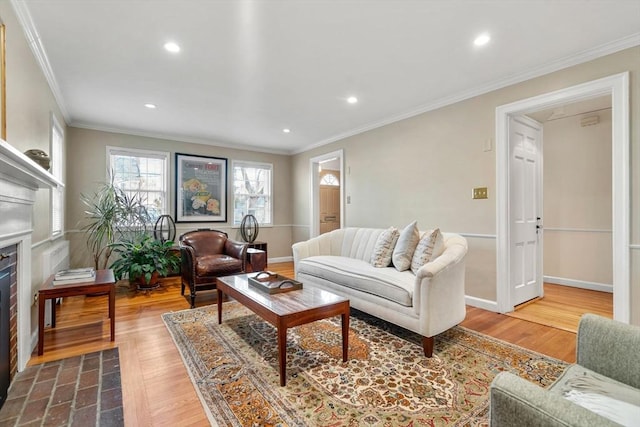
<point x="156" y="387"/>
<point x="562" y="306"/>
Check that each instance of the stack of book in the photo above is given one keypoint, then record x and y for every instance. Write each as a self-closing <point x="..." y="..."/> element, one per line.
<point x="74" y="275"/>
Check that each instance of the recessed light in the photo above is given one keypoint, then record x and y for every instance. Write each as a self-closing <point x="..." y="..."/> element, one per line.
<point x="482" y="39"/>
<point x="150" y="106"/>
<point x="286" y="130"/>
<point x="352" y="100"/>
<point x="172" y="47"/>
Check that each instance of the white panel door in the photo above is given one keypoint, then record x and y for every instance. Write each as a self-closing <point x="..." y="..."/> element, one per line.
<point x="525" y="226"/>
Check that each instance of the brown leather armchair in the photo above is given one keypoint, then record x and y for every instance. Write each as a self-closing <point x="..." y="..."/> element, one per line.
<point x="207" y="254"/>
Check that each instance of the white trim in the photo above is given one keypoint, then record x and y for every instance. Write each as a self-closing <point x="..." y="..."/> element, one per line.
<point x="634" y="246"/>
<point x="314" y="203"/>
<point x="481" y="303"/>
<point x="477" y="236"/>
<point x="618" y="87"/>
<point x="58" y="165"/>
<point x="594" y="286"/>
<point x="576" y="230"/>
<point x="178" y="138"/>
<point x="578" y="58"/>
<point x="280" y="259"/>
<point x="34" y="42"/>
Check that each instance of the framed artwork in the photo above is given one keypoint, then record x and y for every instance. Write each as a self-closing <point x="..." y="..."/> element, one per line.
<point x="201" y="188"/>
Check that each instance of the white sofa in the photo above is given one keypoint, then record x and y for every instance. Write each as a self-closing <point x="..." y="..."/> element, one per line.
<point x="428" y="303"/>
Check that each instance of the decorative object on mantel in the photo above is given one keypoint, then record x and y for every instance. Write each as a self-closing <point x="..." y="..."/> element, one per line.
<point x="249" y="228"/>
<point x="165" y="229"/>
<point x="40" y="157"/>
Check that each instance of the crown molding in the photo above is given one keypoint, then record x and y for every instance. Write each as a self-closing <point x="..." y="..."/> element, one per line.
<point x="178" y="138"/>
<point x="569" y="61"/>
<point x="33" y="40"/>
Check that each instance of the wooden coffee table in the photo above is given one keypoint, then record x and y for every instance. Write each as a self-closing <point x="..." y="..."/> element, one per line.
<point x="285" y="310"/>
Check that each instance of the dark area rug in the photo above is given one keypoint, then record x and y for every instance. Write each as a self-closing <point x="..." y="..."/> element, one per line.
<point x="78" y="391"/>
<point x="387" y="380"/>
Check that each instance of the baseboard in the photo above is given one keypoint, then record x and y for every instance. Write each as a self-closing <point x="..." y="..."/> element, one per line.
<point x="481" y="303"/>
<point x="280" y="259"/>
<point x="594" y="286"/>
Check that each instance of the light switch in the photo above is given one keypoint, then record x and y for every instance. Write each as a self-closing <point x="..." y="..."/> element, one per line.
<point x="479" y="193"/>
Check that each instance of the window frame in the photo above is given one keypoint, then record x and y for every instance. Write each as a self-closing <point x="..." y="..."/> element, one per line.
<point x="150" y="154"/>
<point x="248" y="163"/>
<point x="57" y="170"/>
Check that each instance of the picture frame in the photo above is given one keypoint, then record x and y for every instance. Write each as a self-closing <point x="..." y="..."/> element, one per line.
<point x="201" y="188"/>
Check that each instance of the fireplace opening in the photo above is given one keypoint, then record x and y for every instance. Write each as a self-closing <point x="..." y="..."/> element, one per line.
<point x="5" y="358"/>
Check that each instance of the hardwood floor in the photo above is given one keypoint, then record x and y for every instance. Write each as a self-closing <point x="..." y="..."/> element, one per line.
<point x="562" y="306"/>
<point x="156" y="387"/>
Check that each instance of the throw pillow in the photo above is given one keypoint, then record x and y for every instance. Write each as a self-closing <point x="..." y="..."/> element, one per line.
<point x="407" y="242"/>
<point x="429" y="248"/>
<point x="382" y="251"/>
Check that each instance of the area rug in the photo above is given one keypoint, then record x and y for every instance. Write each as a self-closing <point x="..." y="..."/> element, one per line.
<point x="387" y="380"/>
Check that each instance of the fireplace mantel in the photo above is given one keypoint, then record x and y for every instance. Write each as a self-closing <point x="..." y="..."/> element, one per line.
<point x="20" y="169"/>
<point x="20" y="179"/>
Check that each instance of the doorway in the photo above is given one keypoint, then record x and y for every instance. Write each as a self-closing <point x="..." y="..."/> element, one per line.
<point x="331" y="215"/>
<point x="617" y="87"/>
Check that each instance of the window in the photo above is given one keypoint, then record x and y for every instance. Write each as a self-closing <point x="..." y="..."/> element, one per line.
<point x="252" y="190"/>
<point x="57" y="168"/>
<point x="329" y="179"/>
<point x="142" y="172"/>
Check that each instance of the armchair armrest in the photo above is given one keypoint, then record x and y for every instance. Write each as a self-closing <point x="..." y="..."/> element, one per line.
<point x="187" y="262"/>
<point x="236" y="250"/>
<point x="518" y="402"/>
<point x="609" y="348"/>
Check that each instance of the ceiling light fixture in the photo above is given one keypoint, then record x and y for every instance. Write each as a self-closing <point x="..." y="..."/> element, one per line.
<point x="150" y="106"/>
<point x="352" y="100"/>
<point x="482" y="39"/>
<point x="286" y="130"/>
<point x="172" y="47"/>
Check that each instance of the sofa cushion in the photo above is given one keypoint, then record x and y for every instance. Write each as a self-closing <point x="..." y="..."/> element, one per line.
<point x="217" y="265"/>
<point x="387" y="283"/>
<point x="406" y="245"/>
<point x="430" y="246"/>
<point x="383" y="250"/>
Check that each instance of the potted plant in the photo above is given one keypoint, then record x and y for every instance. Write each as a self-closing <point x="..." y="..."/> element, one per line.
<point x="111" y="214"/>
<point x="143" y="259"/>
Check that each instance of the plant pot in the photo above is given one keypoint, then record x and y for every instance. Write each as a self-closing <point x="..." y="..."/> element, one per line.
<point x="142" y="284"/>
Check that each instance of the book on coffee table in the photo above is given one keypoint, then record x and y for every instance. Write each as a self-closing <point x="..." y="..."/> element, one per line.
<point x="273" y="283"/>
<point x="75" y="275"/>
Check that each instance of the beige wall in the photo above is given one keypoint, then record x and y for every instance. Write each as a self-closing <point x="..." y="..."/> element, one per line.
<point x="425" y="167"/>
<point x="87" y="169"/>
<point x="577" y="196"/>
<point x="30" y="104"/>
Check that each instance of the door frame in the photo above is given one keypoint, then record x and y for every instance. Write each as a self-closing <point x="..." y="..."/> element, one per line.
<point x="314" y="162"/>
<point x="617" y="86"/>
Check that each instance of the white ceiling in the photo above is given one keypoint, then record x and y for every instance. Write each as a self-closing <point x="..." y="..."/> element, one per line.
<point x="248" y="69"/>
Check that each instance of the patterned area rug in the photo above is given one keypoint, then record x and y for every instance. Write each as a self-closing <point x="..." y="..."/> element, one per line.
<point x="387" y="381"/>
